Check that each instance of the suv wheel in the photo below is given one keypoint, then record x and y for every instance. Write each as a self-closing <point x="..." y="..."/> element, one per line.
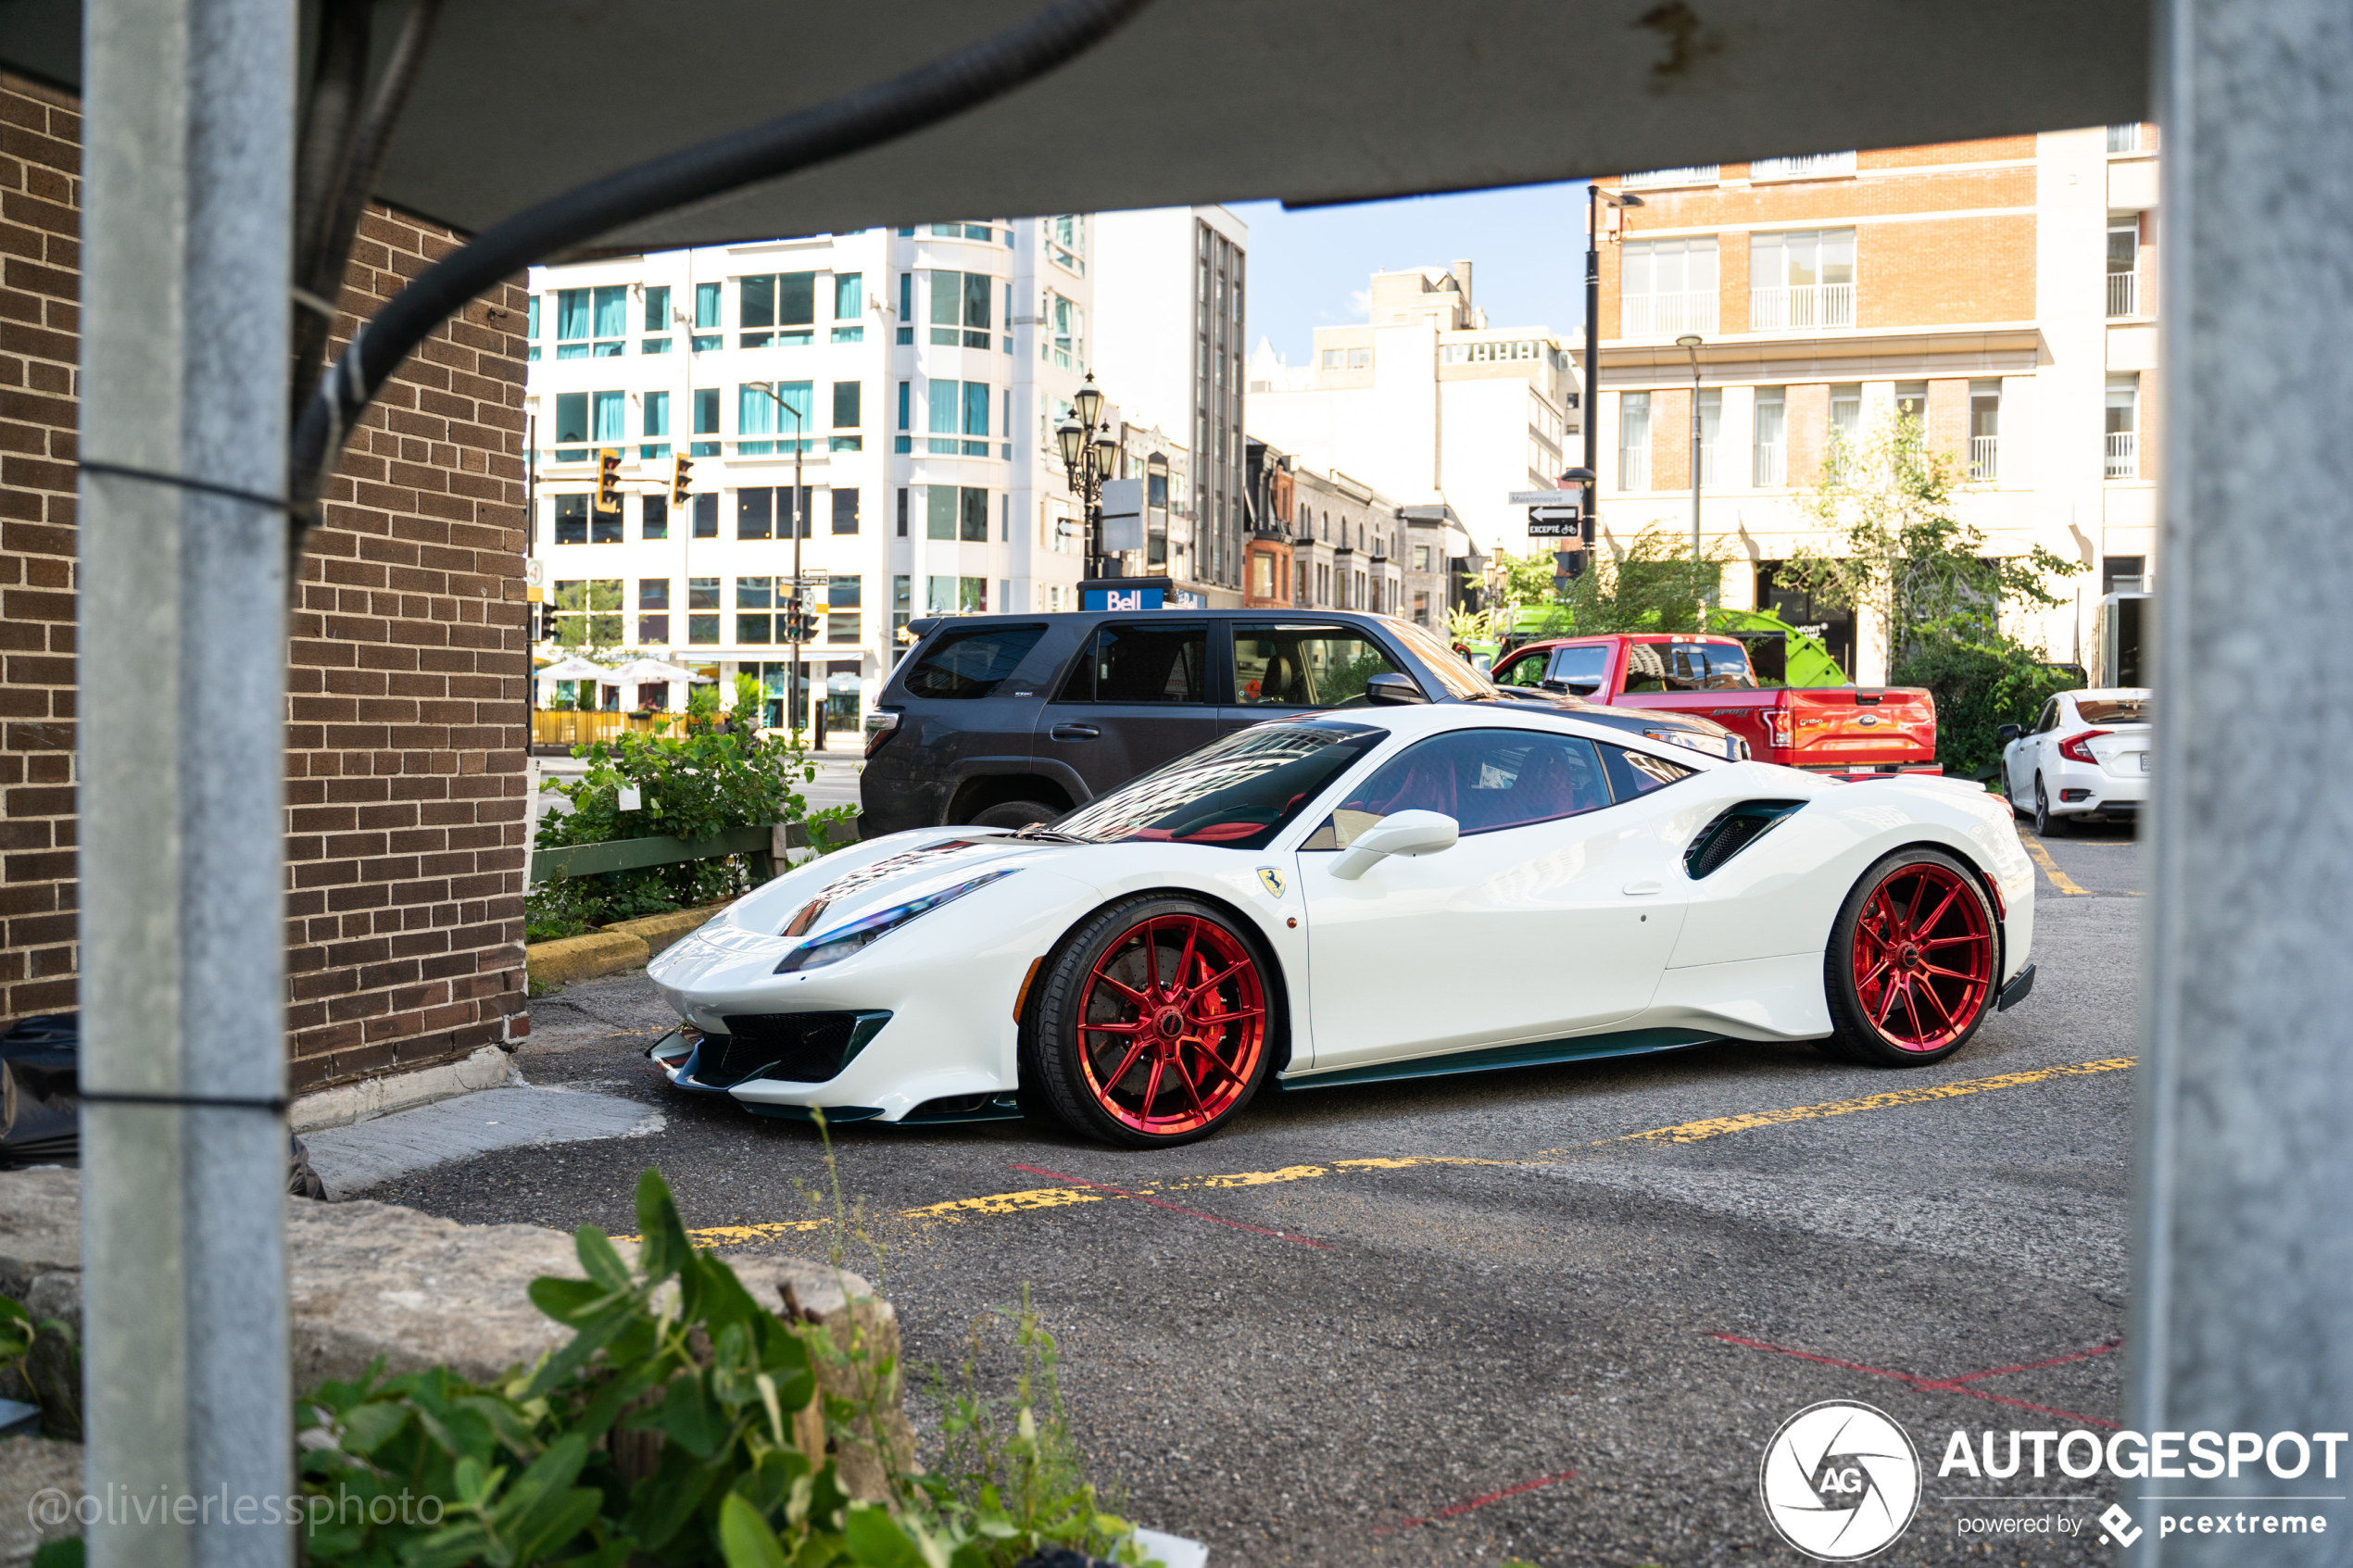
<point x="1014" y="814"/>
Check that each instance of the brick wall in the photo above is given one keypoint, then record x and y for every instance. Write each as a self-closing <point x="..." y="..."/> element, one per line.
<point x="1944" y="271"/>
<point x="405" y="762"/>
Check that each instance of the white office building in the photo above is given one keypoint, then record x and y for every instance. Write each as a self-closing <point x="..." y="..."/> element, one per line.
<point x="1428" y="402"/>
<point x="909" y="378"/>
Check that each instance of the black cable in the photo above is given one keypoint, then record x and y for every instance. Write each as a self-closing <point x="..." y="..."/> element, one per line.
<point x="870" y="117"/>
<point x="276" y="1107"/>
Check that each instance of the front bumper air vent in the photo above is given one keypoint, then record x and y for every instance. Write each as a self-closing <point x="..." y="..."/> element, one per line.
<point x="799" y="1047"/>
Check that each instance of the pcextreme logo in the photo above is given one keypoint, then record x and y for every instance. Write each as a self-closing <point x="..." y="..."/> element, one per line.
<point x="1840" y="1481"/>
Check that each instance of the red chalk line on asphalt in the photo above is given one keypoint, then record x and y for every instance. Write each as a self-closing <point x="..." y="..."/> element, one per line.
<point x="1947" y="1385"/>
<point x="1164" y="1203"/>
<point x="1475" y="1502"/>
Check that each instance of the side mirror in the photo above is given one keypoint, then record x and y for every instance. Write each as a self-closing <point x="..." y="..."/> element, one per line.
<point x="2007" y="734"/>
<point x="1391" y="689"/>
<point x="1400" y="832"/>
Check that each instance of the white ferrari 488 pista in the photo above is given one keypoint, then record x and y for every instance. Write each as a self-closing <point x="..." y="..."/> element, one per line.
<point x="1394" y="893"/>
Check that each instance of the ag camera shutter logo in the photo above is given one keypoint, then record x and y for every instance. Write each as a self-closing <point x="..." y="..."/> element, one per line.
<point x="1840" y="1481"/>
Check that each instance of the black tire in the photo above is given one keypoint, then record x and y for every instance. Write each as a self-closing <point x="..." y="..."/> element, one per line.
<point x="1014" y="814"/>
<point x="2045" y="824"/>
<point x="1938" y="958"/>
<point x="1061" y="1065"/>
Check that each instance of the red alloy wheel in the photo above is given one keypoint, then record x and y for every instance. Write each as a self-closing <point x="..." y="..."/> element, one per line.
<point x="1923" y="956"/>
<point x="1173" y="1021"/>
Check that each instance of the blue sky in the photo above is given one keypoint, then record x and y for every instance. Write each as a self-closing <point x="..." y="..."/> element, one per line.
<point x="1308" y="269"/>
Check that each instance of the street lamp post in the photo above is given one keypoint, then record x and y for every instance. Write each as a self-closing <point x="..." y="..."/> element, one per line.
<point x="799" y="526"/>
<point x="1089" y="449"/>
<point x="1690" y="343"/>
<point x="1594" y="197"/>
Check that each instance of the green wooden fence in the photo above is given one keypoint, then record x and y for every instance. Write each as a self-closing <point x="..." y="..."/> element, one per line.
<point x="636" y="854"/>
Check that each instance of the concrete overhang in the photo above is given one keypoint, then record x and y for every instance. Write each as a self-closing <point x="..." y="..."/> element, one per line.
<point x="1206" y="100"/>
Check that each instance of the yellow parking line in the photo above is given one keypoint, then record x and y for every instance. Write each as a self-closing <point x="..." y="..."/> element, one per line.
<point x="1032" y="1199"/>
<point x="2059" y="879"/>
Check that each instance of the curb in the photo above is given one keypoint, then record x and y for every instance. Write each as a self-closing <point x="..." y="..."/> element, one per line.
<point x="628" y="944"/>
<point x="488" y="1068"/>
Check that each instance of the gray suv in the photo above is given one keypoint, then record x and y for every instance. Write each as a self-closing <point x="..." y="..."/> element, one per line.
<point x="1003" y="721"/>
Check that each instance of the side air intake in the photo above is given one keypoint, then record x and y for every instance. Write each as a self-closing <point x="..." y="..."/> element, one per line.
<point x="1733" y="830"/>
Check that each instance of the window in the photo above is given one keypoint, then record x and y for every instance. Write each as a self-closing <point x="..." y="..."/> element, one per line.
<point x="653" y="517"/>
<point x="1665" y="287"/>
<point x="706" y="525"/>
<point x="765" y="408"/>
<point x="1847" y="411"/>
<point x="2124" y="426"/>
<point x="901" y="597"/>
<point x="2123" y="574"/>
<point x="657" y="320"/>
<point x="1772" y="433"/>
<point x="959" y="409"/>
<point x="850" y="304"/>
<point x="754" y="593"/>
<point x="1687" y="667"/>
<point x="1801" y="280"/>
<point x="906" y="307"/>
<point x="1278" y="665"/>
<point x="967" y="665"/>
<point x="653" y="609"/>
<point x="842" y="628"/>
<point x="845" y="593"/>
<point x="787" y="300"/>
<point x="1633" y="773"/>
<point x="571" y="520"/>
<point x="956" y="512"/>
<point x="2124" y="268"/>
<point x="761" y="509"/>
<point x="1911" y="401"/>
<point x="902" y="511"/>
<point x="1984" y="431"/>
<point x="572" y="424"/>
<point x="591" y="322"/>
<point x="531" y="327"/>
<point x="960" y="308"/>
<point x="1331" y="359"/>
<point x="845" y="506"/>
<point x="1067" y="242"/>
<point x="1360" y="359"/>
<point x="1811" y="165"/>
<point x="1711" y="429"/>
<point x="1486" y="780"/>
<point x="1634" y="440"/>
<point x="657" y="425"/>
<point x="703" y="594"/>
<point x="2124" y="138"/>
<point x="1065" y="344"/>
<point x="1237" y="795"/>
<point x="848" y="400"/>
<point x="1421" y="558"/>
<point x="1151" y="662"/>
<point x="1693" y="174"/>
<point x="707" y="307"/>
<point x="706" y="422"/>
<point x="588" y="614"/>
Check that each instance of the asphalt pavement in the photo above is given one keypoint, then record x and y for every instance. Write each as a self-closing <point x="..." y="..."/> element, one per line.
<point x="1554" y="1313"/>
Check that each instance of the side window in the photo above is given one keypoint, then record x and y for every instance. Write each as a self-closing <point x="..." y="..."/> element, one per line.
<point x="1633" y="773"/>
<point x="1153" y="662"/>
<point x="1526" y="670"/>
<point x="1582" y="669"/>
<point x="970" y="664"/>
<point x="1486" y="780"/>
<point x="1277" y="666"/>
<point x="1646" y="668"/>
<point x="2049" y="717"/>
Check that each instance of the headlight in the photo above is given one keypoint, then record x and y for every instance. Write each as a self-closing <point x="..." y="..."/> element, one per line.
<point x="1730" y="747"/>
<point x="838" y="944"/>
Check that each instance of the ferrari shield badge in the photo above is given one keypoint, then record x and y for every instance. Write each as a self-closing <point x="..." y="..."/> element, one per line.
<point x="1271" y="879"/>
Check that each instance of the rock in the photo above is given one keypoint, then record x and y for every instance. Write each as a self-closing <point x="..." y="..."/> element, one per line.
<point x="368" y="1281"/>
<point x="31" y="1467"/>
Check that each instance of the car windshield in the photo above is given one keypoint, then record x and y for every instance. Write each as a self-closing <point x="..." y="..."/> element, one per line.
<point x="1461" y="680"/>
<point x="1236" y="793"/>
<point x="2113" y="710"/>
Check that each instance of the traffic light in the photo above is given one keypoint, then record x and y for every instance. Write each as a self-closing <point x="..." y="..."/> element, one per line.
<point x="800" y="626"/>
<point x="682" y="473"/>
<point x="608" y="479"/>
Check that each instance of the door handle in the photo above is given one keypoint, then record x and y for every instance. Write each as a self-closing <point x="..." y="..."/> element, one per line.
<point x="1074" y="731"/>
<point x="1637" y="889"/>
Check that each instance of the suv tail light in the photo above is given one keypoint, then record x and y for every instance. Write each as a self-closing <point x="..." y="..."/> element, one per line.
<point x="1779" y="729"/>
<point x="881" y="725"/>
<point x="2078" y="748"/>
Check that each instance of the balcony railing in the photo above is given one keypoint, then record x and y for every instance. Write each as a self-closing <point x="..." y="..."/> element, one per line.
<point x="1769" y="468"/>
<point x="1664" y="315"/>
<point x="1693" y="174"/>
<point x="1808" y="306"/>
<point x="1985" y="459"/>
<point x="2123" y="293"/>
<point x="2123" y="454"/>
<point x="1633" y="468"/>
<point x="1811" y="165"/>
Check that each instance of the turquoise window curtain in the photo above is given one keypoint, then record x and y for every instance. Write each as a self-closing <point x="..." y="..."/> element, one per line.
<point x="533" y="330"/>
<point x="658" y="309"/>
<point x="755" y="415"/>
<point x="610" y="406"/>
<point x="849" y="296"/>
<point x="571" y="314"/>
<point x="795" y="415"/>
<point x="657" y="413"/>
<point x="976" y="418"/>
<point x="705" y="304"/>
<point x="945" y="403"/>
<point x="612" y="311"/>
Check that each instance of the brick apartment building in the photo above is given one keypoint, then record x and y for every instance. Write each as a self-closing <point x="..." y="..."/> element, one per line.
<point x="405" y="743"/>
<point x="2003" y="291"/>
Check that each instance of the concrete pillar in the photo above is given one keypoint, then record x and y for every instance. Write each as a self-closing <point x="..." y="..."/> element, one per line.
<point x="2241" y="1311"/>
<point x="190" y="109"/>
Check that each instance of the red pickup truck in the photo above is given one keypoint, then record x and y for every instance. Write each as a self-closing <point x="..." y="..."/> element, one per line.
<point x="1826" y="729"/>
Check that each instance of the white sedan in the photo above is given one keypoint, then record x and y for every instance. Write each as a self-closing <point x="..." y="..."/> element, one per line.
<point x="1391" y="894"/>
<point x="2086" y="757"/>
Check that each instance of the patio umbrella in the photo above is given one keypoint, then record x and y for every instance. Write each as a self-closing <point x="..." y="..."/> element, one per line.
<point x="575" y="668"/>
<point x="647" y="671"/>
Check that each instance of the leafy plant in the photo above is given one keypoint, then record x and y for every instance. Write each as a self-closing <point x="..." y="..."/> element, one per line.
<point x="45" y="1357"/>
<point x="1982" y="679"/>
<point x="751" y="698"/>
<point x="1649" y="584"/>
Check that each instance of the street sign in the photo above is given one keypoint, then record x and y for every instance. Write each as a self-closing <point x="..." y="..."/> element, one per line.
<point x="1556" y="522"/>
<point x="1568" y="498"/>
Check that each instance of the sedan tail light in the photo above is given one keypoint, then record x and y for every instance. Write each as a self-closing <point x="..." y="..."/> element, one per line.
<point x="2078" y="748"/>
